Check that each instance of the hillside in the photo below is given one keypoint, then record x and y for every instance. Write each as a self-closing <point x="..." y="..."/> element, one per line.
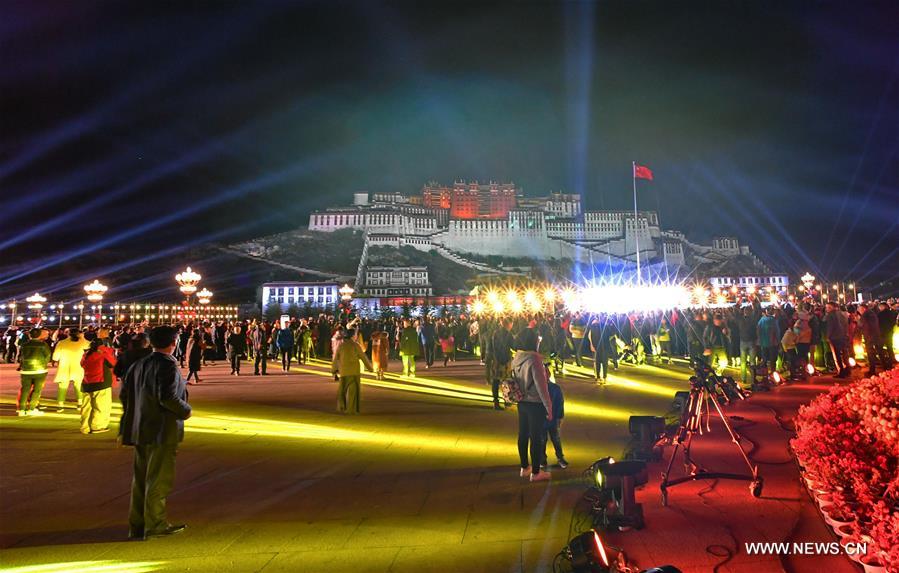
<point x="334" y="253"/>
<point x="446" y="276"/>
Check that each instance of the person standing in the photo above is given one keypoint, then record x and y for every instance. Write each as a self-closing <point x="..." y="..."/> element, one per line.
<point x="535" y="407"/>
<point x="836" y="330"/>
<point x="428" y="336"/>
<point x="599" y="335"/>
<point x="768" y="336"/>
<point x="96" y="401"/>
<point x="67" y="356"/>
<point x="285" y="347"/>
<point x="748" y="333"/>
<point x="154" y="407"/>
<point x="554" y="426"/>
<point x="236" y="345"/>
<point x="501" y="344"/>
<point x="410" y="347"/>
<point x="886" y="319"/>
<point x="578" y="328"/>
<point x="380" y="348"/>
<point x="716" y="339"/>
<point x="345" y="366"/>
<point x="260" y="350"/>
<point x="138" y="347"/>
<point x="870" y="328"/>
<point x="34" y="355"/>
<point x="195" y="349"/>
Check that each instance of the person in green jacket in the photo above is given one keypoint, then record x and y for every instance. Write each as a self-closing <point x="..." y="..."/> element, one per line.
<point x="410" y="347"/>
<point x="34" y="356"/>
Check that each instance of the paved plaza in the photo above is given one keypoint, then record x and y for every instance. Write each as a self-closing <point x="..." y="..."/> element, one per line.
<point x="271" y="478"/>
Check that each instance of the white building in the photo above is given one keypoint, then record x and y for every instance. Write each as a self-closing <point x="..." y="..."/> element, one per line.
<point x="772" y="282"/>
<point x="300" y="293"/>
<point x="397" y="281"/>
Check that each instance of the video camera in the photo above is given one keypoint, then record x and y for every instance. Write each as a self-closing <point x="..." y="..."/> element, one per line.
<point x="704" y="376"/>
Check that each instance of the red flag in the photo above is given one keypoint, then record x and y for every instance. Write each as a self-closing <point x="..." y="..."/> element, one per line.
<point x="642" y="172"/>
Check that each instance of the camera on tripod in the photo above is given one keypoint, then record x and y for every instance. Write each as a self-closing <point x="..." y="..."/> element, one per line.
<point x="708" y="393"/>
<point x="725" y="387"/>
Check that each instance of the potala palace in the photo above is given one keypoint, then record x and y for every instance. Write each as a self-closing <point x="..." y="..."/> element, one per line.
<point x="496" y="219"/>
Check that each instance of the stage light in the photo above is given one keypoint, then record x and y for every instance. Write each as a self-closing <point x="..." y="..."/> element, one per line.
<point x="477" y="307"/>
<point x="750" y="290"/>
<point x="852" y="362"/>
<point x="587" y="553"/>
<point x="598" y="468"/>
<point x="549" y="295"/>
<point x="532" y="301"/>
<point x="776" y="377"/>
<point x="810" y="368"/>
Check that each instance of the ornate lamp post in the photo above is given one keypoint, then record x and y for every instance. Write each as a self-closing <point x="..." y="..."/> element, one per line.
<point x="36" y="303"/>
<point x="95" y="292"/>
<point x="852" y="288"/>
<point x="187" y="281"/>
<point x="203" y="298"/>
<point x="808" y="281"/>
<point x="346" y="294"/>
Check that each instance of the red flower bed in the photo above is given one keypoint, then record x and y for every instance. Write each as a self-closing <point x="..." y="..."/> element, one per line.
<point x="848" y="442"/>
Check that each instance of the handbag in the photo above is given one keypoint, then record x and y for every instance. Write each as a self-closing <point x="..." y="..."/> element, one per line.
<point x="511" y="390"/>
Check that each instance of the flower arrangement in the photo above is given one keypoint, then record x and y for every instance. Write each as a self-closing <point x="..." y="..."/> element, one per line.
<point x="848" y="444"/>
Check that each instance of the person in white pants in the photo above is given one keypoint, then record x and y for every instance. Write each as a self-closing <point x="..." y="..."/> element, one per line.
<point x="67" y="355"/>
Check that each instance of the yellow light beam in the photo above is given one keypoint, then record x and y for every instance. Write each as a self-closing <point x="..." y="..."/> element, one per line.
<point x="89" y="567"/>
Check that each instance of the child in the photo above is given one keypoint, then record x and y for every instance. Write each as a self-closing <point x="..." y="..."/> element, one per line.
<point x="553" y="427"/>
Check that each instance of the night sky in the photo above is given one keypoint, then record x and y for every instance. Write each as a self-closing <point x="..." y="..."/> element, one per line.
<point x="146" y="126"/>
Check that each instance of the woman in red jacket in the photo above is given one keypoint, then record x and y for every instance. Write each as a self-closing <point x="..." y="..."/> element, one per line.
<point x="96" y="401"/>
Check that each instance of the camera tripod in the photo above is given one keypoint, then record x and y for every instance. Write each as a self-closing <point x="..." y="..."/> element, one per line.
<point x="707" y="389"/>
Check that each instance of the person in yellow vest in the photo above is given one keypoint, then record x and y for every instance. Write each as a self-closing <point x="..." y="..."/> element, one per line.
<point x="345" y="366"/>
<point x="67" y="355"/>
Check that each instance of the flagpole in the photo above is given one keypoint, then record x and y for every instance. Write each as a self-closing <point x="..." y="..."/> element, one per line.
<point x="636" y="236"/>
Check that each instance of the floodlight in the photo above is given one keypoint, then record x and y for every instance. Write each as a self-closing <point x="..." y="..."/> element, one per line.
<point x="588" y="554"/>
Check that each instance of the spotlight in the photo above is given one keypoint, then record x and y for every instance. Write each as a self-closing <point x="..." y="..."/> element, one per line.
<point x="852" y="362"/>
<point x="810" y="368"/>
<point x="618" y="480"/>
<point x="588" y="554"/>
<point x="776" y="377"/>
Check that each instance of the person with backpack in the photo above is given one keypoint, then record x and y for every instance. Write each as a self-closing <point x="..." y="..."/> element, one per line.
<point x="535" y="406"/>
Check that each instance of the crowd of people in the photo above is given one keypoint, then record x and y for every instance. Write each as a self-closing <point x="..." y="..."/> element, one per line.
<point x="527" y="348"/>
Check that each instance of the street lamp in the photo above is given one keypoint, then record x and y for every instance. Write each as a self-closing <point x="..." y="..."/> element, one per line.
<point x="95" y="291"/>
<point x="36" y="303"/>
<point x="204" y="295"/>
<point x="188" y="280"/>
<point x="808" y="280"/>
<point x="346" y="292"/>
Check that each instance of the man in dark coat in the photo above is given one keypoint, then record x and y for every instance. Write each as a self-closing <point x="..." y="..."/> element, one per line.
<point x="870" y="328"/>
<point x="154" y="404"/>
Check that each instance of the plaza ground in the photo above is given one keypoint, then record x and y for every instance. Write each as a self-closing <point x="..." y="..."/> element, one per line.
<point x="271" y="478"/>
